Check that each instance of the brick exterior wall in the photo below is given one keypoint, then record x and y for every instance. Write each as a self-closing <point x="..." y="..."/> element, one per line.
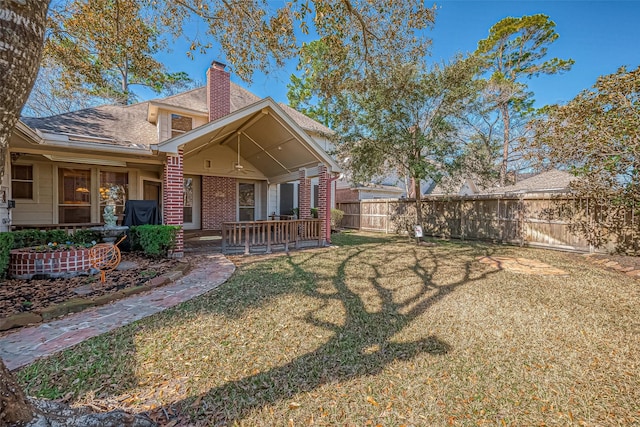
<point x="173" y="198"/>
<point x="25" y="265"/>
<point x="323" y="209"/>
<point x="304" y="196"/>
<point x="218" y="91"/>
<point x="218" y="201"/>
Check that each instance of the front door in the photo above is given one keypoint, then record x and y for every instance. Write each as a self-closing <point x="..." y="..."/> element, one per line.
<point x="191" y="209"/>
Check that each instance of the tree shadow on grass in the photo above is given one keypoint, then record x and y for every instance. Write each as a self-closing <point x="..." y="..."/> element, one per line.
<point x="363" y="343"/>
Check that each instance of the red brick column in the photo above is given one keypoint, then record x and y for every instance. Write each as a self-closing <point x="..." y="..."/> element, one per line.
<point x="173" y="199"/>
<point x="304" y="195"/>
<point x="324" y="211"/>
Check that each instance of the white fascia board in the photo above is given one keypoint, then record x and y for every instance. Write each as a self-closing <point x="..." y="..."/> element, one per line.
<point x="152" y="112"/>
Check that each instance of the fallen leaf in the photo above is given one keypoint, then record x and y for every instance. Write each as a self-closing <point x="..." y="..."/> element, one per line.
<point x="372" y="401"/>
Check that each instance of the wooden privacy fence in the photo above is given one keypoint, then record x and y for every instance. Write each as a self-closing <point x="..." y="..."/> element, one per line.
<point x="535" y="219"/>
<point x="269" y="235"/>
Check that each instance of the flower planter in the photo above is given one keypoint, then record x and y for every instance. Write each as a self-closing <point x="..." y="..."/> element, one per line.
<point x="26" y="263"/>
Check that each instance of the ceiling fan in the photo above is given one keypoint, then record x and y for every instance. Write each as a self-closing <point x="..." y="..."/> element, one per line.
<point x="237" y="165"/>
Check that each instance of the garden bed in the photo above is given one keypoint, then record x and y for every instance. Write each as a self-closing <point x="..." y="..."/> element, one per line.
<point x="33" y="298"/>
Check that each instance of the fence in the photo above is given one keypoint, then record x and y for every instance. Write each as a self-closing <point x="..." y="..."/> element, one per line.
<point x="534" y="220"/>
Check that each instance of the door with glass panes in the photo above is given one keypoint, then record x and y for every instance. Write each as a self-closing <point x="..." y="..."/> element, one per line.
<point x="246" y="201"/>
<point x="191" y="209"/>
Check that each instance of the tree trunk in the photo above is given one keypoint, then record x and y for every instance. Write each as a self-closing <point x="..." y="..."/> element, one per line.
<point x="14" y="407"/>
<point x="506" y="123"/>
<point x="21" y="42"/>
<point x="416" y="189"/>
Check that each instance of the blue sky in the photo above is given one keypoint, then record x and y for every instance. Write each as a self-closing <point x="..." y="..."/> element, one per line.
<point x="600" y="36"/>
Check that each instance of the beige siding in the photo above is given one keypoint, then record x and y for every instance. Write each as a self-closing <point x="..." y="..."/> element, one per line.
<point x="43" y="208"/>
<point x="40" y="209"/>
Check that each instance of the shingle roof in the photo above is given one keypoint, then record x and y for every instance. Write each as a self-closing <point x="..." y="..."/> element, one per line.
<point x="126" y="125"/>
<point x="553" y="180"/>
<point x="121" y="125"/>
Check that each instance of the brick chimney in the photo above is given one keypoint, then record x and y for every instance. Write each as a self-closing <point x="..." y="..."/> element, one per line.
<point x="218" y="91"/>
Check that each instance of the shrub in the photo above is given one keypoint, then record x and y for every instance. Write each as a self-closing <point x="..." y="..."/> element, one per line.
<point x="27" y="238"/>
<point x="57" y="236"/>
<point x="336" y="218"/>
<point x="155" y="240"/>
<point x="6" y="244"/>
<point x="85" y="236"/>
<point x="314" y="212"/>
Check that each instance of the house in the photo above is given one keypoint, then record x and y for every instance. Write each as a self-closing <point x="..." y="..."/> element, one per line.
<point x="552" y="181"/>
<point x="208" y="156"/>
<point x="353" y="193"/>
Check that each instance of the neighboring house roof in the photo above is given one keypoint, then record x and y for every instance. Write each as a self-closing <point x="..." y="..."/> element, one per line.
<point x="550" y="181"/>
<point x="379" y="188"/>
<point x="458" y="187"/>
<point x="128" y="125"/>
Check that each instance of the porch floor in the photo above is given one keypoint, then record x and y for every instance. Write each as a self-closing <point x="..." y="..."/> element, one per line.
<point x="202" y="241"/>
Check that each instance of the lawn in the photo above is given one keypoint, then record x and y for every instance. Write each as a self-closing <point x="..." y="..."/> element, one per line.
<point x="375" y="331"/>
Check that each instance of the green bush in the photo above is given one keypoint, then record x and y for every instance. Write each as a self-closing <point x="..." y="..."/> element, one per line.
<point x="85" y="236"/>
<point x="336" y="218"/>
<point x="28" y="238"/>
<point x="57" y="236"/>
<point x="314" y="212"/>
<point x="155" y="240"/>
<point x="6" y="244"/>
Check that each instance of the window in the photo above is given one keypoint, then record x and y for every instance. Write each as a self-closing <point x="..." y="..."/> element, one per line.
<point x="114" y="189"/>
<point x="180" y="124"/>
<point x="74" y="195"/>
<point x="22" y="181"/>
<point x="246" y="202"/>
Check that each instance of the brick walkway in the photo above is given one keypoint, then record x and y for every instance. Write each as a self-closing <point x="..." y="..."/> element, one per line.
<point x="28" y="344"/>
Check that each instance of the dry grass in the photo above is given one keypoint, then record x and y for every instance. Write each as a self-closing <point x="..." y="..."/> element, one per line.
<point x="375" y="332"/>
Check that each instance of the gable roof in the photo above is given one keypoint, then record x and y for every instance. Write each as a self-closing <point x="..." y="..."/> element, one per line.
<point x="128" y="125"/>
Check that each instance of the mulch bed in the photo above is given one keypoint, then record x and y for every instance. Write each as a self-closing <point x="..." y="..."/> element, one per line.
<point x="19" y="296"/>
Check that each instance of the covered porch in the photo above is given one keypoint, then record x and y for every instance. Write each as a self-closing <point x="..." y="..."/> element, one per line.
<point x="242" y="169"/>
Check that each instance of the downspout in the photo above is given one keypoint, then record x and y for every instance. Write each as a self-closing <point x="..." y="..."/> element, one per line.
<point x="327" y="215"/>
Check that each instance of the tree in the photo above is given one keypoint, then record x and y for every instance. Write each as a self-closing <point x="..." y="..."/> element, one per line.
<point x="105" y="47"/>
<point x="597" y="136"/>
<point x="403" y="117"/>
<point x="358" y="33"/>
<point x="303" y="93"/>
<point x="514" y="50"/>
<point x="49" y="97"/>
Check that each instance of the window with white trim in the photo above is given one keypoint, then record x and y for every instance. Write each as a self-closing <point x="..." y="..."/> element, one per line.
<point x="22" y="182"/>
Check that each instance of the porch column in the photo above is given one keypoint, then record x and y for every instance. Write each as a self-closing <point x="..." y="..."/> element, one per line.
<point x="324" y="211"/>
<point x="304" y="195"/>
<point x="173" y="199"/>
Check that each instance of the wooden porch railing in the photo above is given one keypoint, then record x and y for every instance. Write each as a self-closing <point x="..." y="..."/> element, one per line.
<point x="266" y="234"/>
